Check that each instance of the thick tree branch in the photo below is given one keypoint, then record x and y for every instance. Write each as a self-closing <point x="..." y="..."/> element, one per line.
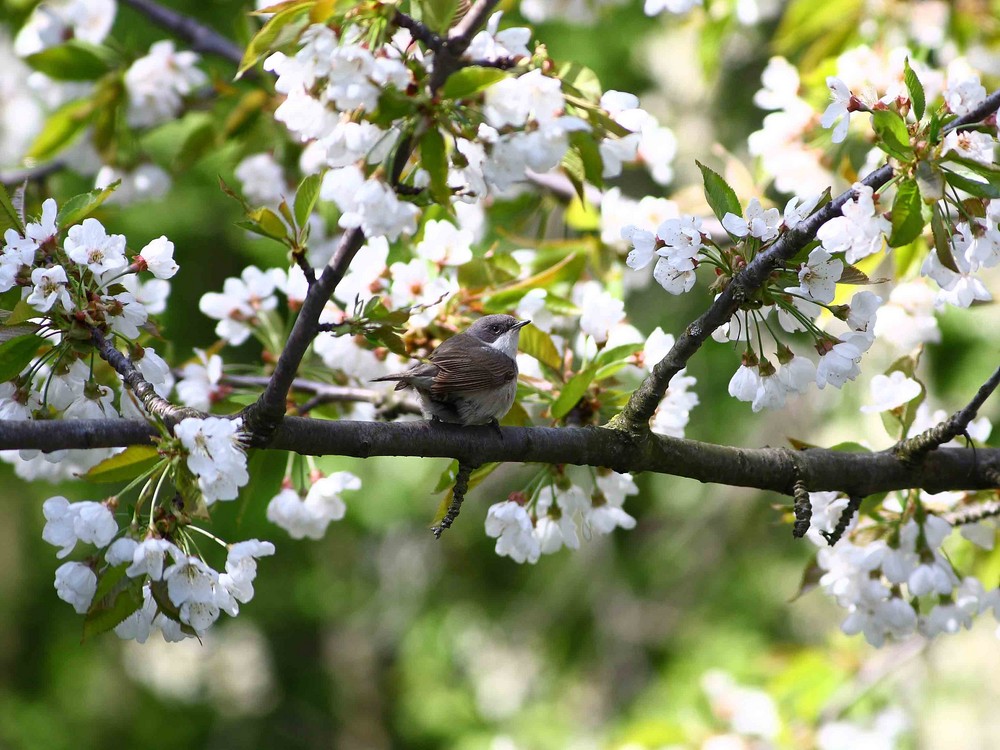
<point x="198" y="36"/>
<point x="773" y="469"/>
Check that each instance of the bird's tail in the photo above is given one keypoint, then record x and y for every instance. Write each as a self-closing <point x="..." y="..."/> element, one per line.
<point x="399" y="378"/>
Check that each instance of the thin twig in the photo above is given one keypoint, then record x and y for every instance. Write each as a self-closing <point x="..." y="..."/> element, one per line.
<point x="32" y="174"/>
<point x="142" y="388"/>
<point x="973" y="513"/>
<point x="457" y="496"/>
<point x="199" y="37"/>
<point x="958" y="424"/>
<point x="449" y="55"/>
<point x="846" y="516"/>
<point x="645" y="399"/>
<point x="802" y="509"/>
<point x="326" y="393"/>
<point x="417" y="30"/>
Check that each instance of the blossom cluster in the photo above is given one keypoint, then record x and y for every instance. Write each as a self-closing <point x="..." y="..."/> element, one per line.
<point x="75" y="281"/>
<point x="899" y="576"/>
<point x="171" y="590"/>
<point x="309" y="516"/>
<point x="558" y="515"/>
<point x="336" y="82"/>
<point x="215" y="455"/>
<point x="156" y="88"/>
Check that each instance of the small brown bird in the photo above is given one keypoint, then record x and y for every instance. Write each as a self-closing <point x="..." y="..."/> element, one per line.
<point x="472" y="377"/>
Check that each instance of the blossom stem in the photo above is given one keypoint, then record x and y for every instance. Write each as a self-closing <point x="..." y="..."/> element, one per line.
<point x="209" y="534"/>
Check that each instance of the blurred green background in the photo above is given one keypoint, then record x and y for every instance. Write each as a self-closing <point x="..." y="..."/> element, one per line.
<point x="378" y="636"/>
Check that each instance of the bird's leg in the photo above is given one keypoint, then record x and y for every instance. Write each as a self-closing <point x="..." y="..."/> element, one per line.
<point x="495" y="424"/>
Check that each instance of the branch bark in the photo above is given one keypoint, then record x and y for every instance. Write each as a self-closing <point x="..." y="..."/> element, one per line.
<point x="198" y="36"/>
<point x="142" y="388"/>
<point x="773" y="469"/>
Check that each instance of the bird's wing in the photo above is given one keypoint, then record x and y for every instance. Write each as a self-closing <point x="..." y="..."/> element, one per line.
<point x="455" y="373"/>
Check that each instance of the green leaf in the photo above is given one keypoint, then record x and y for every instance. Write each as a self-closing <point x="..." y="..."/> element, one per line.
<point x="970" y="186"/>
<point x="576" y="171"/>
<point x="9" y="217"/>
<point x="609" y="370"/>
<point x="893" y="137"/>
<point x="580" y="80"/>
<point x="22" y="311"/>
<point x="305" y="198"/>
<point x="618" y="353"/>
<point x="73" y="61"/>
<point x="438" y="14"/>
<point x="538" y="344"/>
<point x="108" y="580"/>
<point x="465" y="82"/>
<point x="16" y="354"/>
<point x="282" y="28"/>
<point x="590" y="155"/>
<point x="447" y="477"/>
<point x="117" y="597"/>
<point x="987" y="171"/>
<point x="930" y="180"/>
<point x="942" y="240"/>
<point x="434" y="159"/>
<point x="388" y="338"/>
<point x="850" y="447"/>
<point x="266" y="222"/>
<point x="447" y="480"/>
<point x="61" y="130"/>
<point x="573" y="392"/>
<point x="916" y="90"/>
<point x="907" y="214"/>
<point x="503" y="301"/>
<point x="720" y="196"/>
<point x="79" y="207"/>
<point x="200" y="141"/>
<point x="182" y="139"/>
<point x="125" y="466"/>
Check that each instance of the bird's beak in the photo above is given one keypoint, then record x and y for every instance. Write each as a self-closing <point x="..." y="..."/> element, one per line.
<point x="520" y="324"/>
